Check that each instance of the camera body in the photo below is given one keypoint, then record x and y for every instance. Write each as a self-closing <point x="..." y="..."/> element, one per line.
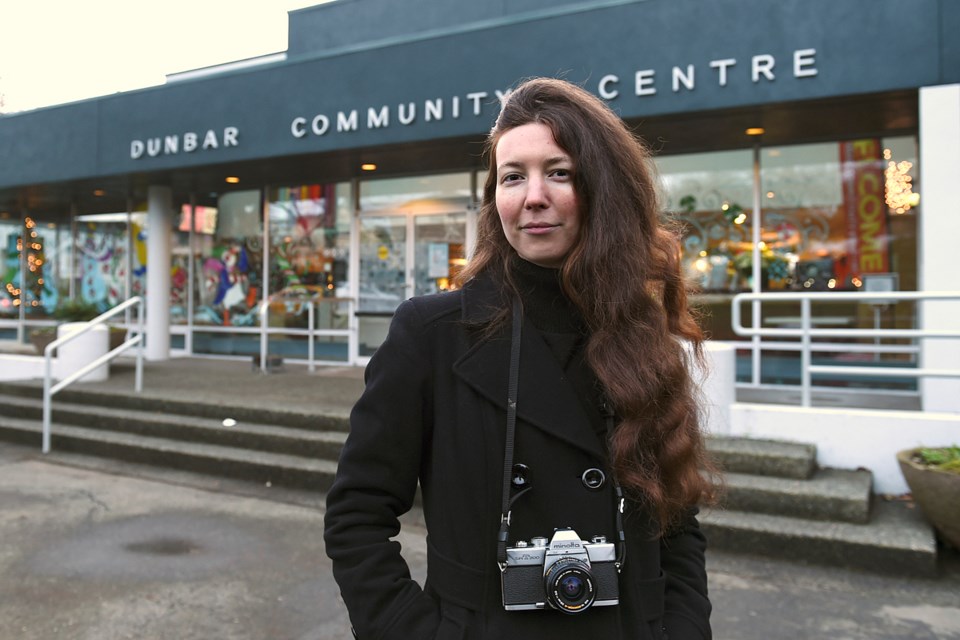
<point x="564" y="573"/>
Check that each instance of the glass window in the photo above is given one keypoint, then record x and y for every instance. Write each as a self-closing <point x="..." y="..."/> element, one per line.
<point x="203" y="219"/>
<point x="439" y="251"/>
<point x="832" y="213"/>
<point x="309" y="241"/>
<point x="101" y="255"/>
<point x="424" y="194"/>
<point x="229" y="263"/>
<point x="412" y="242"/>
<point x="309" y="257"/>
<point x="10" y="232"/>
<point x="711" y="196"/>
<point x="832" y="217"/>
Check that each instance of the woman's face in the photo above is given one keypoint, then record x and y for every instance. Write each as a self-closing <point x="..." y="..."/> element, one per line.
<point x="535" y="196"/>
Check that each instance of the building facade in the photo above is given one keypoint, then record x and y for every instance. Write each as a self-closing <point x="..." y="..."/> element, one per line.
<point x="295" y="200"/>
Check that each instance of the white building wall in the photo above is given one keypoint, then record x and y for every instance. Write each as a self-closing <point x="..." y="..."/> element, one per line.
<point x="939" y="232"/>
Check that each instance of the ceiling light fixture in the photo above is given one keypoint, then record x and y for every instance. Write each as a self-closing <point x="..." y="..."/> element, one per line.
<point x="755" y="131"/>
<point x="232" y="180"/>
<point x="368" y="166"/>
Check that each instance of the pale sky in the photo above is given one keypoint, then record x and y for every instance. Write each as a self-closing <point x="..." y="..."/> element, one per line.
<point x="57" y="51"/>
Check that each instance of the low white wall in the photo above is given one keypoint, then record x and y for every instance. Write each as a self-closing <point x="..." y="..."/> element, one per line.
<point x="72" y="357"/>
<point x="850" y="438"/>
<point x="13" y="367"/>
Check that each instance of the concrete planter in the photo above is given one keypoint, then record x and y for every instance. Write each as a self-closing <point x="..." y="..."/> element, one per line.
<point x="936" y="493"/>
<point x="83" y="350"/>
<point x="40" y="338"/>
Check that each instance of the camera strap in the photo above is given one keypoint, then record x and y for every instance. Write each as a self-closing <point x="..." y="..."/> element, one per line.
<point x="512" y="388"/>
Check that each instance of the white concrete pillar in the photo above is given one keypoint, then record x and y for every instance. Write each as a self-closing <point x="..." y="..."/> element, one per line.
<point x="939" y="238"/>
<point x="717" y="383"/>
<point x="159" y="229"/>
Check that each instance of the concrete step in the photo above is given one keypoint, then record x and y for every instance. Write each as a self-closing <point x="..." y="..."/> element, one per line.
<point x="830" y="494"/>
<point x="184" y="428"/>
<point x="232" y="462"/>
<point x="317" y="421"/>
<point x="777" y="502"/>
<point x="763" y="457"/>
<point x="895" y="541"/>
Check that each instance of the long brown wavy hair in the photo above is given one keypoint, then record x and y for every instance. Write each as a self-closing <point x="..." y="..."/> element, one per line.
<point x="624" y="275"/>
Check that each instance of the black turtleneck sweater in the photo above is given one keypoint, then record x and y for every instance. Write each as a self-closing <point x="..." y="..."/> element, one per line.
<point x="560" y="324"/>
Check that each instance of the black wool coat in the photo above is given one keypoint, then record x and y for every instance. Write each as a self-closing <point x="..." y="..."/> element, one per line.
<point x="434" y="412"/>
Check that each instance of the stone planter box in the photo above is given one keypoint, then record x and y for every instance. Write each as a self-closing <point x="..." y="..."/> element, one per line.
<point x="936" y="493"/>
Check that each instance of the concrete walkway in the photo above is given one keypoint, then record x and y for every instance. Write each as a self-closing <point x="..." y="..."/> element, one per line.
<point x="92" y="551"/>
<point x="97" y="550"/>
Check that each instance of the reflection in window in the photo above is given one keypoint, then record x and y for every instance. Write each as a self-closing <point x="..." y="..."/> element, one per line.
<point x="101" y="258"/>
<point x="709" y="195"/>
<point x="439" y="251"/>
<point x="422" y="194"/>
<point x="309" y="247"/>
<point x="11" y="238"/>
<point x="832" y="213"/>
<point x="42" y="282"/>
<point x="229" y="264"/>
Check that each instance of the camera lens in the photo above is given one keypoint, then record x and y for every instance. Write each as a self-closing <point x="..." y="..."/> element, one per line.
<point x="569" y="586"/>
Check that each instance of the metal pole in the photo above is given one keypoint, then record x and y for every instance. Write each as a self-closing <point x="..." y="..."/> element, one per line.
<point x="128" y="258"/>
<point x="310" y="320"/>
<point x="265" y="275"/>
<point x="24" y="266"/>
<point x="138" y="380"/>
<point x="191" y="252"/>
<point x="264" y="310"/>
<point x="46" y="403"/>
<point x="876" y="325"/>
<point x="353" y="277"/>
<point x="755" y="221"/>
<point x="74" y="239"/>
<point x="805" y="380"/>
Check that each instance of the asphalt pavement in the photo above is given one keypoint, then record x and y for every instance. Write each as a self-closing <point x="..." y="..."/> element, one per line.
<point x="97" y="550"/>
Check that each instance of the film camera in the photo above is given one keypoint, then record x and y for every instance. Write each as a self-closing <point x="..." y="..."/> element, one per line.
<point x="566" y="573"/>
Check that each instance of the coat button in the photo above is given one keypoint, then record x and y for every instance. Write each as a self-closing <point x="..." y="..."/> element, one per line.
<point x="521" y="474"/>
<point x="593" y="478"/>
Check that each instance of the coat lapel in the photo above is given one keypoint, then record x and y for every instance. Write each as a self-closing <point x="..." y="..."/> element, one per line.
<point x="546" y="398"/>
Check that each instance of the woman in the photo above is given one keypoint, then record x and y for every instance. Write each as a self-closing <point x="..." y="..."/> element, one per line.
<point x="573" y="275"/>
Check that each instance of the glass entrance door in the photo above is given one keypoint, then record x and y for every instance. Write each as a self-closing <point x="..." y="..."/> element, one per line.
<point x="400" y="256"/>
<point x="438" y="251"/>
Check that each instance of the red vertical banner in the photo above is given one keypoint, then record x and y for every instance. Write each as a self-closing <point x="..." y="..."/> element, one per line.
<point x="866" y="209"/>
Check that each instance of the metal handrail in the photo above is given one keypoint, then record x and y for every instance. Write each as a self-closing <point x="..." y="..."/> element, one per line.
<point x="49" y="391"/>
<point x="312" y="331"/>
<point x="806" y="332"/>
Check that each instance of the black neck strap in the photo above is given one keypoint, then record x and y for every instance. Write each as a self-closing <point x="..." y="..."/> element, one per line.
<point x="513" y="385"/>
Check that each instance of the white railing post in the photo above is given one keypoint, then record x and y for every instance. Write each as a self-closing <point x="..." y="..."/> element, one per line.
<point x="311" y="316"/>
<point x="138" y="381"/>
<point x="50" y="389"/>
<point x="47" y="399"/>
<point x="806" y="332"/>
<point x="805" y="359"/>
<point x="264" y="310"/>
